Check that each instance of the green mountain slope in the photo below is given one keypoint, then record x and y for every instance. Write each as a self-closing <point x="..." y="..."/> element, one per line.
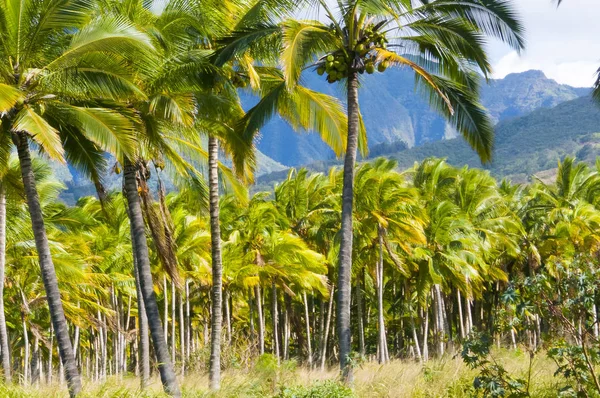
<point x="524" y="146"/>
<point x="392" y="111"/>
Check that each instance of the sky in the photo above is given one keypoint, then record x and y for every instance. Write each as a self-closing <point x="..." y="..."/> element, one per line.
<point x="563" y="42"/>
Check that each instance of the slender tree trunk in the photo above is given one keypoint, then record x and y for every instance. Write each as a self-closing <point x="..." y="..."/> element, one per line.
<point x="275" y="319"/>
<point x="326" y="335"/>
<point x="460" y="314"/>
<point x="439" y="318"/>
<point x="469" y="322"/>
<point x="188" y="323"/>
<point x="166" y="309"/>
<point x="4" y="348"/>
<point x="361" y="325"/>
<point x="143" y="338"/>
<point x="416" y="338"/>
<point x="57" y="314"/>
<point x="181" y="333"/>
<point x="308" y="338"/>
<point x="286" y="326"/>
<point x="165" y="366"/>
<point x="76" y="338"/>
<point x="251" y="316"/>
<point x="50" y="370"/>
<point x="380" y="317"/>
<point x="26" y="349"/>
<point x="35" y="371"/>
<point x="425" y="336"/>
<point x="173" y="321"/>
<point x="227" y="314"/>
<point x="217" y="266"/>
<point x="35" y="362"/>
<point x="345" y="256"/>
<point x="261" y="320"/>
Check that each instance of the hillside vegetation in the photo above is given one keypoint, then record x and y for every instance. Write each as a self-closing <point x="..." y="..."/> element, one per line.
<point x="523" y="146"/>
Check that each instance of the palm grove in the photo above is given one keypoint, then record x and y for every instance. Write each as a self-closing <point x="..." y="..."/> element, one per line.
<point x="365" y="261"/>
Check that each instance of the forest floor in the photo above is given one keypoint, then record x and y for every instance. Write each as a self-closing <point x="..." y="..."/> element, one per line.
<point x="446" y="377"/>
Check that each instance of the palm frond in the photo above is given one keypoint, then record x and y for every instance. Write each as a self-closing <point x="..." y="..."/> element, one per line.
<point x="29" y="121"/>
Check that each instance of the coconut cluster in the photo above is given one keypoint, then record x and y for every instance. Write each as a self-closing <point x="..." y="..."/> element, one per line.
<point x="239" y="81"/>
<point x="360" y="59"/>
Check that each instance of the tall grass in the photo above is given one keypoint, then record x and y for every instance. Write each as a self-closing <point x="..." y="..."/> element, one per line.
<point x="444" y="378"/>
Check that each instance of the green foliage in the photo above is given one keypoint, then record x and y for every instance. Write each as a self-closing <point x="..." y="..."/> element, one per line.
<point x="493" y="379"/>
<point x="326" y="389"/>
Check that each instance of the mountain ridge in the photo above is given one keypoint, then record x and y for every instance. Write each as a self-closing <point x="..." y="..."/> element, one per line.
<point x="392" y="111"/>
<point x="524" y="146"/>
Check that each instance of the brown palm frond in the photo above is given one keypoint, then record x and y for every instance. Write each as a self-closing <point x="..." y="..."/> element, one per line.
<point x="162" y="240"/>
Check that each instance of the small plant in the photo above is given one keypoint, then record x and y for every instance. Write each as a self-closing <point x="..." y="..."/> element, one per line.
<point x="493" y="380"/>
<point x="326" y="389"/>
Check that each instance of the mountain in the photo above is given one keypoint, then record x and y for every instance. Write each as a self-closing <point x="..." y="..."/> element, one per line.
<point x="524" y="146"/>
<point x="396" y="119"/>
<point x="392" y="111"/>
<point x="78" y="186"/>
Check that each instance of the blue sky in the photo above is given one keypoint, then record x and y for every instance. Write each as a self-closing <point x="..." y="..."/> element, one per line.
<point x="563" y="42"/>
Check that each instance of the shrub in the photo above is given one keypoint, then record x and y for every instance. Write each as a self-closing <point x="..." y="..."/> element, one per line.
<point x="326" y="389"/>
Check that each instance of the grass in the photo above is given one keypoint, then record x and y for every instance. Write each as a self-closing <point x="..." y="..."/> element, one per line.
<point x="440" y="378"/>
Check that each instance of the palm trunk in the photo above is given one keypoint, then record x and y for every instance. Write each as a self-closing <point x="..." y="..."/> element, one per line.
<point x="26" y="349"/>
<point x="144" y="342"/>
<point x="380" y="318"/>
<point x="227" y="315"/>
<point x="345" y="256"/>
<point x="308" y="338"/>
<point x="361" y="325"/>
<point x="57" y="314"/>
<point x="166" y="309"/>
<point x="439" y="318"/>
<point x="188" y="321"/>
<point x="4" y="349"/>
<point x="50" y="349"/>
<point x="326" y="335"/>
<point x="286" y="326"/>
<point x="181" y="334"/>
<point x="275" y="316"/>
<point x="173" y="319"/>
<point x="261" y="320"/>
<point x="469" y="321"/>
<point x="251" y="316"/>
<point x="460" y="314"/>
<point x="425" y="352"/>
<point x="416" y="338"/>
<point x="217" y="266"/>
<point x="165" y="366"/>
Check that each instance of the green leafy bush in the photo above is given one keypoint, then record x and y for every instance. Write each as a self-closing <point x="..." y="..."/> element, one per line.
<point x="326" y="389"/>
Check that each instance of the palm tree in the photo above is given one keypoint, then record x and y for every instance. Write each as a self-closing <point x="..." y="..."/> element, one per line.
<point x="8" y="185"/>
<point x="387" y="217"/>
<point x="442" y="42"/>
<point x="11" y="191"/>
<point x="49" y="52"/>
<point x="301" y="107"/>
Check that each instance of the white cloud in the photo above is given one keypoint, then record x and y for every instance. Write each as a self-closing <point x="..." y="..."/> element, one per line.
<point x="562" y="41"/>
<point x="576" y="73"/>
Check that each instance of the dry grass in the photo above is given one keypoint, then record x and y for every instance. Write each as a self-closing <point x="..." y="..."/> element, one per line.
<point x="447" y="377"/>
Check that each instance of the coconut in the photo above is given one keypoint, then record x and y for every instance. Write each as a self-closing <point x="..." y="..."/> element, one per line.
<point x="330" y="58"/>
<point x="320" y="70"/>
